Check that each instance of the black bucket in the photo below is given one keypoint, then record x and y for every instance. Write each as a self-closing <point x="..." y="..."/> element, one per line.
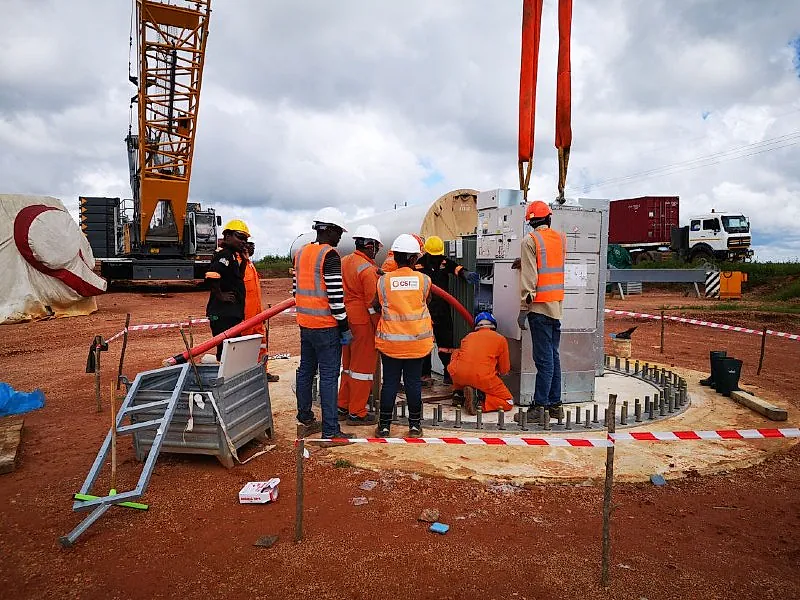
<point x="728" y="377"/>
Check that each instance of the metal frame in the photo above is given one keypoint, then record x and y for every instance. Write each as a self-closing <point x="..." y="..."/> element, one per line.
<point x="101" y="504"/>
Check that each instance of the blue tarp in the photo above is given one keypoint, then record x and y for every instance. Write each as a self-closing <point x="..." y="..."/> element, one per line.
<point x="13" y="402"/>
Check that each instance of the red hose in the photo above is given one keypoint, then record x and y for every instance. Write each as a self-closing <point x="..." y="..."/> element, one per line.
<point x="454" y="303"/>
<point x="179" y="359"/>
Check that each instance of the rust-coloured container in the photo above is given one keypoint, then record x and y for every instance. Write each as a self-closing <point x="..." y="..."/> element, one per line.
<point x="645" y="220"/>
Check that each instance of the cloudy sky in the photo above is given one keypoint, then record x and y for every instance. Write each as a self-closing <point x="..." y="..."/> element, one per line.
<point x="364" y="104"/>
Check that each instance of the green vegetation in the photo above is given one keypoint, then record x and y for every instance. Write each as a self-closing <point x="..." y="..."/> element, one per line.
<point x="273" y="266"/>
<point x="341" y="463"/>
<point x="786" y="292"/>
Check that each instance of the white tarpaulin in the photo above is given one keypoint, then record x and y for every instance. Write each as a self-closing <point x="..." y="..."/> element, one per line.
<point x="46" y="261"/>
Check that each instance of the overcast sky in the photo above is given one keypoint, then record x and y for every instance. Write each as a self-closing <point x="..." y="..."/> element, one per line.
<point x="363" y="104"/>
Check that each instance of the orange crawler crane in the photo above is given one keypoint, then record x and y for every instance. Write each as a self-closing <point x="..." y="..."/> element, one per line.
<point x="159" y="234"/>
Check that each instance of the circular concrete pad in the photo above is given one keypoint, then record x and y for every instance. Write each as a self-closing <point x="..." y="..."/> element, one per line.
<point x="634" y="461"/>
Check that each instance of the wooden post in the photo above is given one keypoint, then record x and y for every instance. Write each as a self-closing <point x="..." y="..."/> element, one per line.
<point x="298" y="507"/>
<point x="124" y="346"/>
<point x="612" y="405"/>
<point x="763" y="347"/>
<point x="662" y="332"/>
<point x="191" y="333"/>
<point x="98" y="342"/>
<point x="112" y="404"/>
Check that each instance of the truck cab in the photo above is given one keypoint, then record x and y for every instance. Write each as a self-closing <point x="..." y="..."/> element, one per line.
<point x="720" y="235"/>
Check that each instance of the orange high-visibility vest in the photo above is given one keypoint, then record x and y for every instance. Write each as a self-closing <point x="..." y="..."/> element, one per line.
<point x="360" y="279"/>
<point x="311" y="295"/>
<point x="405" y="329"/>
<point x="551" y="252"/>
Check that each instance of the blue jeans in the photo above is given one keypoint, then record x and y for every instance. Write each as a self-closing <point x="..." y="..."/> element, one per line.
<point x="319" y="348"/>
<point x="546" y="337"/>
<point x="411" y="370"/>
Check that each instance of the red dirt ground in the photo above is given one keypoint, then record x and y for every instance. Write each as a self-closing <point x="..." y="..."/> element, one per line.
<point x="734" y="535"/>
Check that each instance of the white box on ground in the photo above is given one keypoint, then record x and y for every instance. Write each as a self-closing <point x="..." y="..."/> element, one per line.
<point x="259" y="492"/>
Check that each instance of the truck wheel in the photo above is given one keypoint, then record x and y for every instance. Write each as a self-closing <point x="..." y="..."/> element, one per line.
<point x="702" y="255"/>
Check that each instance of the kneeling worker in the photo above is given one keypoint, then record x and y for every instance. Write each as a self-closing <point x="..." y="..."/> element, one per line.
<point x="404" y="335"/>
<point x="482" y="357"/>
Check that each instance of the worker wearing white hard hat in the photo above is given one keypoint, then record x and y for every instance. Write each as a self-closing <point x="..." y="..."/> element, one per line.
<point x="360" y="279"/>
<point x="404" y="334"/>
<point x="321" y="315"/>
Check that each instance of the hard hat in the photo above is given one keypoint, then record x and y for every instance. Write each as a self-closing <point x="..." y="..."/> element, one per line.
<point x="237" y="225"/>
<point x="485" y="316"/>
<point x="406" y="243"/>
<point x="421" y="242"/>
<point x="434" y="245"/>
<point x="367" y="232"/>
<point x="330" y="216"/>
<point x="537" y="210"/>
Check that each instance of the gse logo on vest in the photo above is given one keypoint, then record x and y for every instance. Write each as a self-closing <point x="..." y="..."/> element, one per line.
<point x="404" y="283"/>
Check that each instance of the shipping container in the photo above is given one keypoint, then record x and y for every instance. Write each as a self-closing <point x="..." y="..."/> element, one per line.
<point x="645" y="220"/>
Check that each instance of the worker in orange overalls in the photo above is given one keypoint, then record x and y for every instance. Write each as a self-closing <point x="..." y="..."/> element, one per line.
<point x="360" y="279"/>
<point x="253" y="305"/>
<point x="478" y="363"/>
<point x="390" y="264"/>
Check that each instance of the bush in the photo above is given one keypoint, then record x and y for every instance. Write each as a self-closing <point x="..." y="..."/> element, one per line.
<point x="274" y="266"/>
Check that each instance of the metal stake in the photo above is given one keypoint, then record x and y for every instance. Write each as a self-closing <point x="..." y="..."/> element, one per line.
<point x="586" y="423"/>
<point x="595" y="409"/>
<point x="479" y="417"/>
<point x="651" y="407"/>
<point x="501" y="419"/>
<point x="458" y="418"/>
<point x="298" y="506"/>
<point x="636" y="367"/>
<point x="637" y="409"/>
<point x="439" y="413"/>
<point x="609" y="483"/>
<point x="568" y="425"/>
<point x="623" y="414"/>
<point x="662" y="407"/>
<point x="434" y="420"/>
<point x="627" y="365"/>
<point x="124" y="346"/>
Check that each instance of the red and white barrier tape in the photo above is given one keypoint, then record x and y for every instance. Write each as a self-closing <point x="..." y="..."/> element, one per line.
<point x="625" y="313"/>
<point x="610" y="440"/>
<point x="155" y="326"/>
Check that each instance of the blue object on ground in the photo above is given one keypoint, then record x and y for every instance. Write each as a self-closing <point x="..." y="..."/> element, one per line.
<point x="440" y="528"/>
<point x="658" y="480"/>
<point x="13" y="402"/>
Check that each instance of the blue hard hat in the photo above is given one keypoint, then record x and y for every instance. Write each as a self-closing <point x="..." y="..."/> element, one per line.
<point x="485" y="316"/>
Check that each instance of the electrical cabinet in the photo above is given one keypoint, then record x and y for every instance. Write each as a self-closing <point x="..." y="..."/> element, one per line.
<point x="499" y="235"/>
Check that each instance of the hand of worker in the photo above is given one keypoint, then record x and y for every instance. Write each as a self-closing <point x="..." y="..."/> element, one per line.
<point x="522" y="319"/>
<point x="346" y="337"/>
<point x="517" y="264"/>
<point x="472" y="277"/>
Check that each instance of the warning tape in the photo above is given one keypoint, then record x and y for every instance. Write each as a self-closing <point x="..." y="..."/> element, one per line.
<point x="146" y="327"/>
<point x="610" y="440"/>
<point x="625" y="313"/>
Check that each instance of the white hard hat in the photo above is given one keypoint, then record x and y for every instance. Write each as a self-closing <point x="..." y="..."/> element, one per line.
<point x="330" y="216"/>
<point x="407" y="243"/>
<point x="367" y="232"/>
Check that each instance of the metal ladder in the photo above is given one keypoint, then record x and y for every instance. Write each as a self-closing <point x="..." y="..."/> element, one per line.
<point x="100" y="504"/>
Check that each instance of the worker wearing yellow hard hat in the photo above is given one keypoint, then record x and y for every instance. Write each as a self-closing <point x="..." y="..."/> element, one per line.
<point x="225" y="274"/>
<point x="439" y="268"/>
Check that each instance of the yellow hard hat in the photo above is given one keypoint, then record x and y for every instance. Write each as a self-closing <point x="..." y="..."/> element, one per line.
<point x="434" y="245"/>
<point x="237" y="225"/>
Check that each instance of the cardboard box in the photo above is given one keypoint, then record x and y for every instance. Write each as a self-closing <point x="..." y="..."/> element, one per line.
<point x="259" y="492"/>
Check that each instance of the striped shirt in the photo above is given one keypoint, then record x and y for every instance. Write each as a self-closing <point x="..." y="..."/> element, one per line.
<point x="332" y="274"/>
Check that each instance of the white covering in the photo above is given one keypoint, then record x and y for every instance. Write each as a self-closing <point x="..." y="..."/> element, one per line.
<point x="45" y="260"/>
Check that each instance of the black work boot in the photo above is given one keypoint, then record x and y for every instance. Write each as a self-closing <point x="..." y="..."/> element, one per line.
<point x="712" y="356"/>
<point x="728" y="376"/>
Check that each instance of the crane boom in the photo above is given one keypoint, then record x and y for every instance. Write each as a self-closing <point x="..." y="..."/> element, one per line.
<point x="171" y="42"/>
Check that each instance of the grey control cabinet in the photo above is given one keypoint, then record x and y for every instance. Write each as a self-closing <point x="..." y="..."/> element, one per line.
<point x="500" y="232"/>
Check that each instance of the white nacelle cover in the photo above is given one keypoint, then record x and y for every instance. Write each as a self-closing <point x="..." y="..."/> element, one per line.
<point x="46" y="261"/>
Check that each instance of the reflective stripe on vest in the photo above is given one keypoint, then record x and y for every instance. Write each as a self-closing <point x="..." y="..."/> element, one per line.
<point x="405" y="329"/>
<point x="311" y="294"/>
<point x="551" y="248"/>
